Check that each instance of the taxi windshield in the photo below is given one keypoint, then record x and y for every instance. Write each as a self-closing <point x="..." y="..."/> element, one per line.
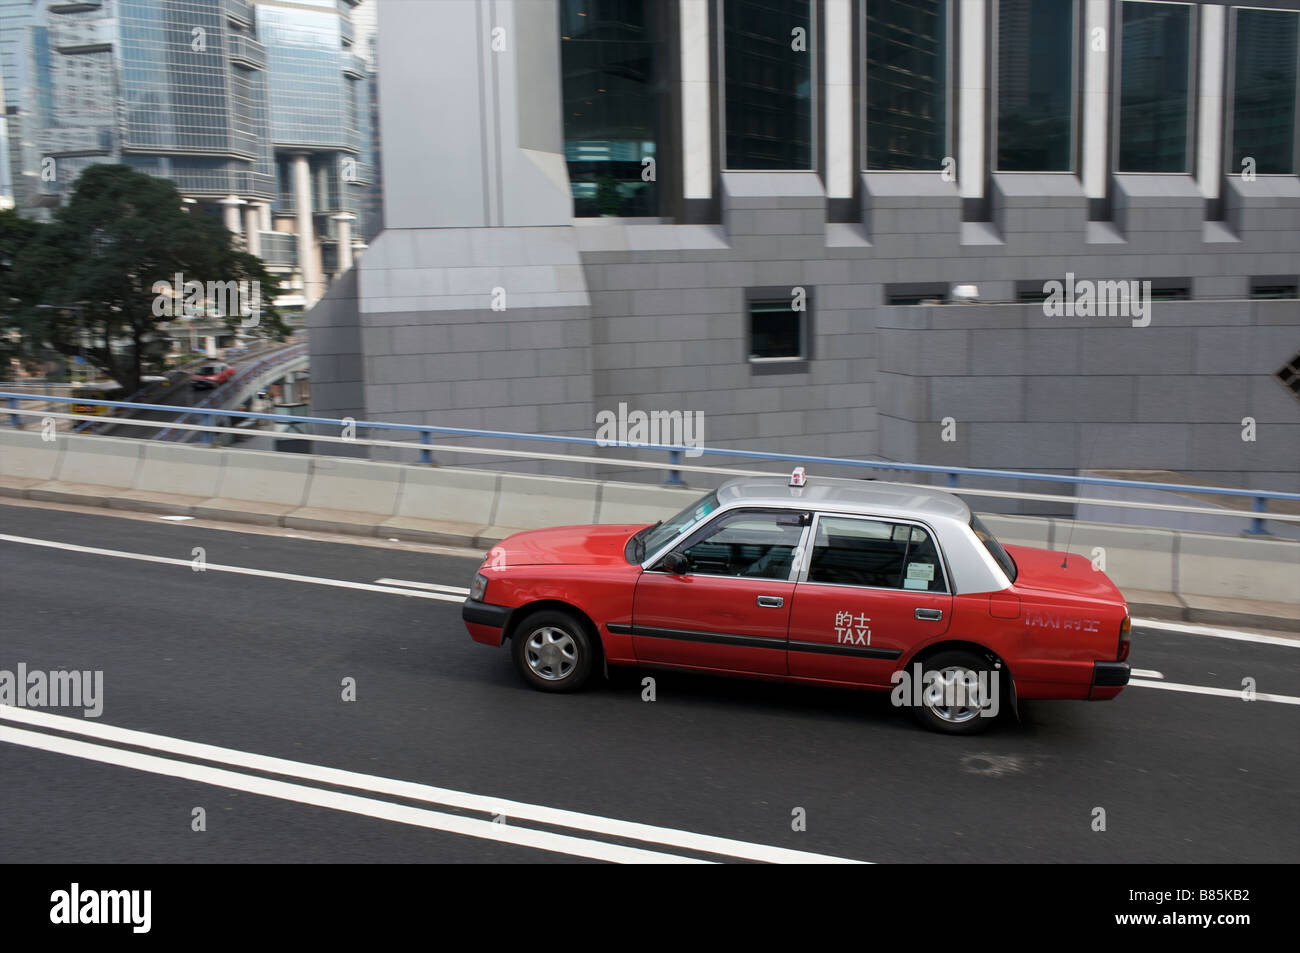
<point x="659" y="536"/>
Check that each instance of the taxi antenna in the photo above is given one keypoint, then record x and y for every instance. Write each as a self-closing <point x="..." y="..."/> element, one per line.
<point x="1065" y="559"/>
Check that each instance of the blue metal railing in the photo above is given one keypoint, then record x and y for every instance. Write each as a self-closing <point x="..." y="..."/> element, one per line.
<point x="1259" y="498"/>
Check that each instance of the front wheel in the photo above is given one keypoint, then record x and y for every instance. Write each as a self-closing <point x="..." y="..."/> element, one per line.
<point x="960" y="693"/>
<point x="553" y="651"/>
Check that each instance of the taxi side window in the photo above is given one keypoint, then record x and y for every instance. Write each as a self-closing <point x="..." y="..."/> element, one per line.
<point x="753" y="544"/>
<point x="862" y="552"/>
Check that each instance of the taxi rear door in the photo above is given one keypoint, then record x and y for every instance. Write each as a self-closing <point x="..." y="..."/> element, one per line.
<point x="871" y="590"/>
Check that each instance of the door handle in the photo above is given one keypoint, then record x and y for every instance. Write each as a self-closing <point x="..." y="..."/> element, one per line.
<point x="931" y="615"/>
<point x="771" y="602"/>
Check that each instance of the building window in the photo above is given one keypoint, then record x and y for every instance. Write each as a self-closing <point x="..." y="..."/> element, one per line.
<point x="1270" y="288"/>
<point x="907" y="84"/>
<point x="1155" y="87"/>
<point x="1171" y="289"/>
<point x="609" y="66"/>
<point x="1264" y="91"/>
<point x="1035" y="85"/>
<point x="924" y="293"/>
<point x="778" y="328"/>
<point x="768" y="63"/>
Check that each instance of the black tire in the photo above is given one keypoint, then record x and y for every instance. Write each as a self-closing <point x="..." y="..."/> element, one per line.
<point x="553" y="651"/>
<point x="953" y="719"/>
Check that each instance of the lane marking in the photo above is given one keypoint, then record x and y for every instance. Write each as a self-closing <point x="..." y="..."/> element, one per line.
<point x="1220" y="692"/>
<point x="431" y="586"/>
<point x="236" y="570"/>
<point x="350" y="803"/>
<point x="176" y="519"/>
<point x="589" y="823"/>
<point x="1188" y="628"/>
<point x="1145" y="673"/>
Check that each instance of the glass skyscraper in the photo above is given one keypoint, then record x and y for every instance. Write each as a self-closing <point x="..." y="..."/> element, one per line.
<point x="258" y="111"/>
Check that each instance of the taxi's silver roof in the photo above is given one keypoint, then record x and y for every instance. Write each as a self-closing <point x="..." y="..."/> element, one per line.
<point x="848" y="496"/>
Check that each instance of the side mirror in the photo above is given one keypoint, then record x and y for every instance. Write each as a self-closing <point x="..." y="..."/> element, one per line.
<point x="676" y="563"/>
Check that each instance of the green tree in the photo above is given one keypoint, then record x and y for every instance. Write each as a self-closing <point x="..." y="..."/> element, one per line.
<point x="94" y="269"/>
<point x="16" y="234"/>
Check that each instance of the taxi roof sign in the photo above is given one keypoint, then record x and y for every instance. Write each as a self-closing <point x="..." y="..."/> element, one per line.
<point x="798" y="477"/>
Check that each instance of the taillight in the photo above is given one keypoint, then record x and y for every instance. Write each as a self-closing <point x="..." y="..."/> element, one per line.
<point x="1125" y="638"/>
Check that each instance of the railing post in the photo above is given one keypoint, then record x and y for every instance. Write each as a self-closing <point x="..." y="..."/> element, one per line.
<point x="426" y="456"/>
<point x="1260" y="505"/>
<point x="953" y="479"/>
<point x="14" y="419"/>
<point x="674" y="475"/>
<point x="207" y="422"/>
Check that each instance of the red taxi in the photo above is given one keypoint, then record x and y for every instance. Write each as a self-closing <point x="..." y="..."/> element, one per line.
<point x="212" y="375"/>
<point x="837" y="582"/>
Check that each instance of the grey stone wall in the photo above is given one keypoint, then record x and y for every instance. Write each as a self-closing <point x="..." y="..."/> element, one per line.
<point x="654" y="315"/>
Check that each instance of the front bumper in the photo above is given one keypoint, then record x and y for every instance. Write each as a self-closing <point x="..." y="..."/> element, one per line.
<point x="1108" y="678"/>
<point x="486" y="623"/>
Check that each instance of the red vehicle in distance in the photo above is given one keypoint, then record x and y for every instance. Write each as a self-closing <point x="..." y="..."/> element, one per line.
<point x="845" y="583"/>
<point x="211" y="375"/>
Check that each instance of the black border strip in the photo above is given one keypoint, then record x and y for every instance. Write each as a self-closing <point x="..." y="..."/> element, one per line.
<point x="831" y="648"/>
<point x="753" y="641"/>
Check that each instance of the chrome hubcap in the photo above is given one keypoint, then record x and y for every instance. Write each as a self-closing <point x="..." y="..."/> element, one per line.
<point x="956" y="696"/>
<point x="551" y="653"/>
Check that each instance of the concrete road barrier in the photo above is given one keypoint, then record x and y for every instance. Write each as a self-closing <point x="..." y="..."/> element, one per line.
<point x="531" y="502"/>
<point x="1019" y="530"/>
<point x="26" y="459"/>
<point x="258" y="486"/>
<point x="172" y="478"/>
<point x="91" y="470"/>
<point x="444" y="505"/>
<point x="1227" y="567"/>
<point x="344" y="495"/>
<point x="633" y="503"/>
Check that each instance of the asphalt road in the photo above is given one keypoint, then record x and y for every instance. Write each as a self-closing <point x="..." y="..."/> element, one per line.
<point x="255" y="664"/>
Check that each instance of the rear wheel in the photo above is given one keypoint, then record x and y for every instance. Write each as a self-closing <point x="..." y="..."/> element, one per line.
<point x="553" y="651"/>
<point x="958" y="693"/>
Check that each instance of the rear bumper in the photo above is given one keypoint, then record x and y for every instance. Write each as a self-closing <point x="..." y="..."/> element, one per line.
<point x="486" y="623"/>
<point x="1108" y="678"/>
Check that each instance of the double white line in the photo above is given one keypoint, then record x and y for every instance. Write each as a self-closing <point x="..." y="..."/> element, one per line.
<point x="510" y="811"/>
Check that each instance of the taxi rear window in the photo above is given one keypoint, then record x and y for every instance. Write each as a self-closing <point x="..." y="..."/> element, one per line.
<point x="1000" y="555"/>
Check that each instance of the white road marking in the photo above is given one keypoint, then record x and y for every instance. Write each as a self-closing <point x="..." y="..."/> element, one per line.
<point x="1188" y="628"/>
<point x="1145" y="673"/>
<point x="513" y="810"/>
<point x="1220" y="692"/>
<point x="351" y="803"/>
<point x="432" y="586"/>
<point x="176" y="519"/>
<point x="237" y="570"/>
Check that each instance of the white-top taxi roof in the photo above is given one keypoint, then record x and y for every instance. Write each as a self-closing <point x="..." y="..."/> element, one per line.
<point x="848" y="496"/>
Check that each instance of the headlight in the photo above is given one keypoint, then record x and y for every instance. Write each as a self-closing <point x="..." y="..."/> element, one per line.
<point x="479" y="589"/>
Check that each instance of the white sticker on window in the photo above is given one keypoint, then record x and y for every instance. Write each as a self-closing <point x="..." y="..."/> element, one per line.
<point x="920" y="571"/>
<point x="915" y="584"/>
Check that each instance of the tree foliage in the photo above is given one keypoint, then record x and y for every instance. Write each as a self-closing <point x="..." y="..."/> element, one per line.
<point x="90" y="274"/>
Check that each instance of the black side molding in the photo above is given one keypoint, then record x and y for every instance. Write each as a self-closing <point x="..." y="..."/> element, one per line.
<point x="483" y="613"/>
